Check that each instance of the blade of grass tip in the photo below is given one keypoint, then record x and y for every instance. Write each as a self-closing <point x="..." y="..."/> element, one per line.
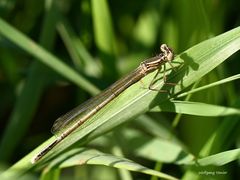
<point x="45" y="57"/>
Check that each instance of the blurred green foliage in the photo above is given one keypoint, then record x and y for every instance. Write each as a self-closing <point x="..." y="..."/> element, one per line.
<point x="101" y="41"/>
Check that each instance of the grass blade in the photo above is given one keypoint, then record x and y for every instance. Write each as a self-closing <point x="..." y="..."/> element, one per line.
<point x="80" y="156"/>
<point x="226" y="80"/>
<point x="196" y="108"/>
<point x="44" y="56"/>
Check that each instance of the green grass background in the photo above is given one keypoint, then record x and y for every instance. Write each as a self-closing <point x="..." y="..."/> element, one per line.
<point x="55" y="55"/>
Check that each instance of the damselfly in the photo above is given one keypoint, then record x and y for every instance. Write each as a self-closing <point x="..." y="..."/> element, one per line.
<point x="69" y="122"/>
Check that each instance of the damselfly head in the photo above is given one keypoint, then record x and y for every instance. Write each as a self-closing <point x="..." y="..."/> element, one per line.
<point x="167" y="51"/>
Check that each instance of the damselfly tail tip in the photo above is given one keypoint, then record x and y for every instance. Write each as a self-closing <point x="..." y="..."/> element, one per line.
<point x="33" y="160"/>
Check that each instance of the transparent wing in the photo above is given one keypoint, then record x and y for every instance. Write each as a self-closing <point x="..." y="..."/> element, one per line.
<point x="77" y="112"/>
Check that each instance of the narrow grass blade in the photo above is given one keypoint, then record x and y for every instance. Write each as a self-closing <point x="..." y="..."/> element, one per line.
<point x="196" y="108"/>
<point x="77" y="157"/>
<point x="220" y="82"/>
<point x="78" y="52"/>
<point x="104" y="36"/>
<point x="219" y="159"/>
<point x="44" y="56"/>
